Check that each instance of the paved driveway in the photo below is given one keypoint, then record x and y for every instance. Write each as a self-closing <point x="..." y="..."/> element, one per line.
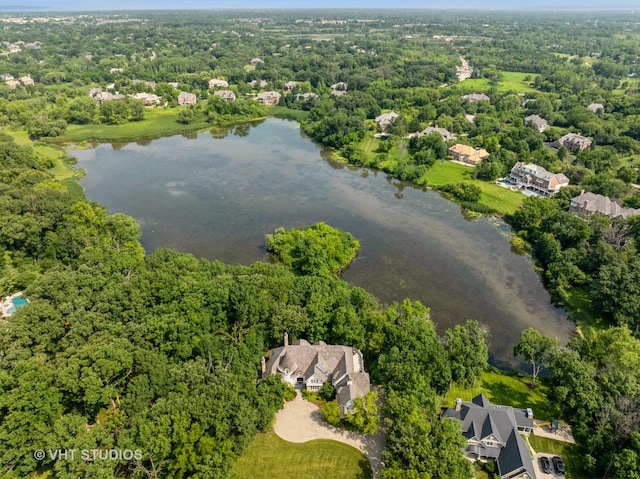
<point x="538" y="470"/>
<point x="302" y="421"/>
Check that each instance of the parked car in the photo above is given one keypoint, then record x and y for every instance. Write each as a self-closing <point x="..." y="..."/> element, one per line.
<point x="558" y="465"/>
<point x="545" y="464"/>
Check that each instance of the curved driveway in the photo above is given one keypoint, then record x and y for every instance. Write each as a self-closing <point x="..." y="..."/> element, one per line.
<point x="302" y="421"/>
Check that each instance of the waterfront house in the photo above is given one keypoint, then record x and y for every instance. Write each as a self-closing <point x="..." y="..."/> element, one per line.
<point x="468" y="155"/>
<point x="269" y="97"/>
<point x="535" y="178"/>
<point x="591" y="203"/>
<point x="443" y="132"/>
<point x="493" y="433"/>
<point x="386" y="119"/>
<point x="309" y="366"/>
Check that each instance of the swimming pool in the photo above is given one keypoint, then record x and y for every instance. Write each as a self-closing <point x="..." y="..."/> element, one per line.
<point x="19" y="302"/>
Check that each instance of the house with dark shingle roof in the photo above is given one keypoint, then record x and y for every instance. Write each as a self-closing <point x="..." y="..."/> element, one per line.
<point x="493" y="433"/>
<point x="303" y="364"/>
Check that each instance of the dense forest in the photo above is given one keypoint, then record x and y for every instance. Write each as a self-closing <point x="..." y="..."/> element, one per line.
<point x="161" y="352"/>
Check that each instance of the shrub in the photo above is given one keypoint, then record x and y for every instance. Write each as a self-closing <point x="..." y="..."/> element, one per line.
<point x="331" y="413"/>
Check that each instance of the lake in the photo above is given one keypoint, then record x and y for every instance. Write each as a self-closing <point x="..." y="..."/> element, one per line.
<point x="216" y="196"/>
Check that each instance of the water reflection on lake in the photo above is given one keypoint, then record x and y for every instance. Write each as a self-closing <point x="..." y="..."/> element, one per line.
<point x="216" y="194"/>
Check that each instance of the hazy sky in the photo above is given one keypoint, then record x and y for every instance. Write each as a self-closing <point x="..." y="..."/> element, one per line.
<point x="217" y="4"/>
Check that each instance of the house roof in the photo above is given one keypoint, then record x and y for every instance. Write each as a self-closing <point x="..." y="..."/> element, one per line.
<point x="474" y="97"/>
<point x="341" y="365"/>
<point x="481" y="420"/>
<point x="592" y="203"/>
<point x="446" y="134"/>
<point x="537" y="121"/>
<point x="469" y="151"/>
<point x="539" y="172"/>
<point x="594" y="107"/>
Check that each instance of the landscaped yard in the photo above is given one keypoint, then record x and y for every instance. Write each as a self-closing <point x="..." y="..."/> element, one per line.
<point x="509" y="389"/>
<point x="568" y="452"/>
<point x="500" y="199"/>
<point x="269" y="457"/>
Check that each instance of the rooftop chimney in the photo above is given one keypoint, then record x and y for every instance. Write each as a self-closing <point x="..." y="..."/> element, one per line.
<point x="286" y="339"/>
<point x="458" y="404"/>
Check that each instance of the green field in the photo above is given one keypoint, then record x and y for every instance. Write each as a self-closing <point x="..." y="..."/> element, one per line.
<point x="270" y="457"/>
<point x="508" y="389"/>
<point x="511" y="81"/>
<point x="500" y="199"/>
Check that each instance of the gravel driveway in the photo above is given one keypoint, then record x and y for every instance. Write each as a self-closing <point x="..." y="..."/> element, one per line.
<point x="302" y="421"/>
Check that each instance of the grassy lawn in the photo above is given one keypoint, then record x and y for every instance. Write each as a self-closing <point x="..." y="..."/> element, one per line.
<point x="579" y="305"/>
<point x="568" y="452"/>
<point x="500" y="199"/>
<point x="269" y="457"/>
<point x="508" y="389"/>
<point x="511" y="81"/>
<point x="369" y="144"/>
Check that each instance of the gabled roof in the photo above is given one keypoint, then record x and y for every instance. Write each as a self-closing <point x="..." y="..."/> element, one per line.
<point x="590" y="203"/>
<point x="341" y="365"/>
<point x="481" y="420"/>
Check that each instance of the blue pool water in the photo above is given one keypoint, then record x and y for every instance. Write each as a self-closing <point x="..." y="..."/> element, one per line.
<point x="19" y="301"/>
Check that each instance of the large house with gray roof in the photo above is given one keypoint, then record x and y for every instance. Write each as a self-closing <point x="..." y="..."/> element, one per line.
<point x="493" y="433"/>
<point x="303" y="364"/>
<point x="591" y="203"/>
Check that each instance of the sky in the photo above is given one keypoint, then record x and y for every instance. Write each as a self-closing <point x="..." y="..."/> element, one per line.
<point x="80" y="5"/>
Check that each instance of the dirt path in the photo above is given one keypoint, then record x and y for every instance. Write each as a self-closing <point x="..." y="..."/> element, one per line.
<point x="302" y="421"/>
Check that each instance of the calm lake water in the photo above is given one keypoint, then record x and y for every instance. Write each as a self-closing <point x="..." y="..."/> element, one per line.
<point x="217" y="198"/>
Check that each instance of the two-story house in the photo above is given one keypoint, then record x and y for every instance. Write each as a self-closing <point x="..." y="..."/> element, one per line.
<point x="310" y="365"/>
<point x="535" y="178"/>
<point x="493" y="433"/>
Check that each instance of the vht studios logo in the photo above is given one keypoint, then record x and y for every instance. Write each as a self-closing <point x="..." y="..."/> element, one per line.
<point x="88" y="454"/>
